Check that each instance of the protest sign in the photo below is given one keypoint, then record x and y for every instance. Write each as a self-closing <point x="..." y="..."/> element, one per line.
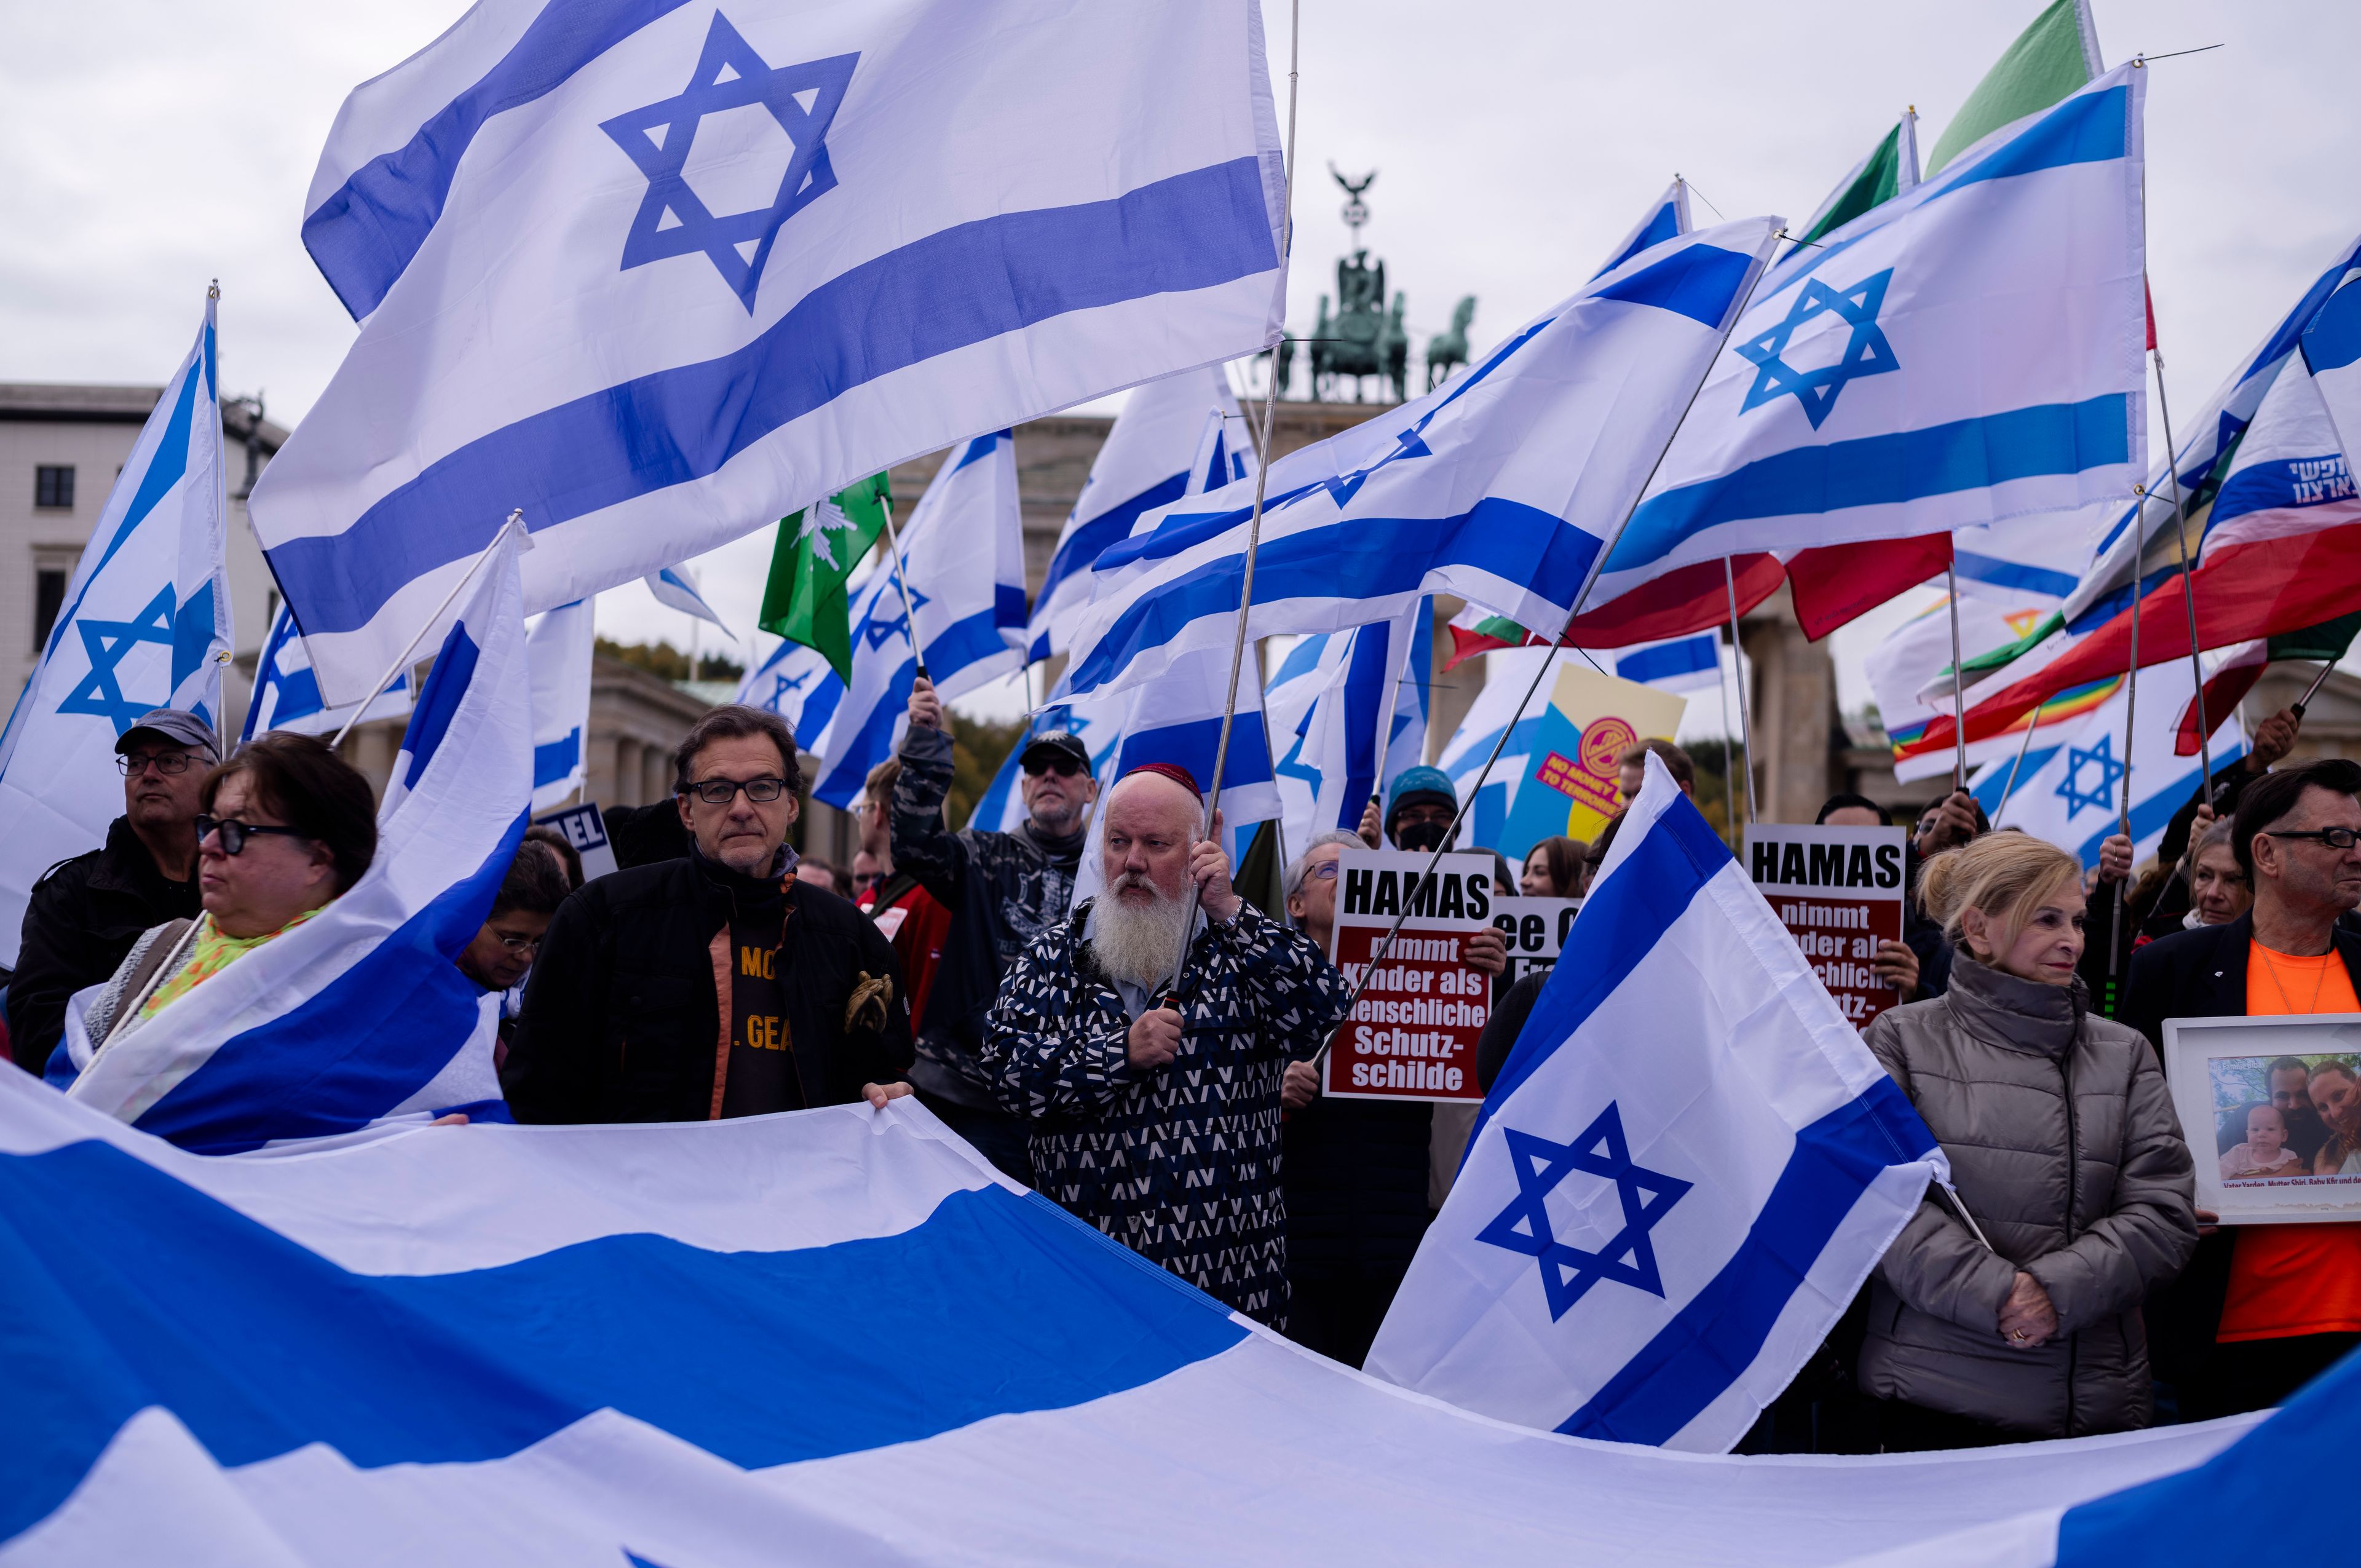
<point x="1412" y="1033"/>
<point x="587" y="831"/>
<point x="1569" y="784"/>
<point x="1838" y="891"/>
<point x="1535" y="928"/>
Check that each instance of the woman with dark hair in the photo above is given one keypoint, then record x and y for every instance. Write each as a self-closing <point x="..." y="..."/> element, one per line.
<point x="1553" y="868"/>
<point x="283" y="828"/>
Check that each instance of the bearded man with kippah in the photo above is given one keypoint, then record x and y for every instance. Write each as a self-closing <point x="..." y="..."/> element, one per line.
<point x="1152" y="1084"/>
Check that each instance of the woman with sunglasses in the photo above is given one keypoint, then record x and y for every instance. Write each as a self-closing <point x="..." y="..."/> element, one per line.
<point x="283" y="828"/>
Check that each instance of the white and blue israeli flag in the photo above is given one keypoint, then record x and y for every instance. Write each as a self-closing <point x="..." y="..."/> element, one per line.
<point x="1666" y="218"/>
<point x="1507" y="673"/>
<point x="1644" y="1246"/>
<point x="675" y="587"/>
<point x="287" y="695"/>
<point x="795" y="683"/>
<point x="1502" y="486"/>
<point x="359" y="1014"/>
<point x="667" y="1347"/>
<point x="1348" y="711"/>
<point x="674" y="268"/>
<point x="145" y="624"/>
<point x="1145" y="464"/>
<point x="559" y="647"/>
<point x="2331" y="350"/>
<point x="1676" y="664"/>
<point x="1967" y="352"/>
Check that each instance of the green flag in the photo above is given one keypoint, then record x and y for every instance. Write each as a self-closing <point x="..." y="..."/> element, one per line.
<point x="805" y="600"/>
<point x="2056" y="56"/>
<point x="2327" y="642"/>
<point x="1891" y="169"/>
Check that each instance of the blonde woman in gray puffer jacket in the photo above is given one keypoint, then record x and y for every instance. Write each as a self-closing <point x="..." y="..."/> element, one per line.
<point x="2068" y="1157"/>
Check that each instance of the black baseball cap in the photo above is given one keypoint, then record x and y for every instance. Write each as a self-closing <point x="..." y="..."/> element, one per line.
<point x="1052" y="745"/>
<point x="177" y="725"/>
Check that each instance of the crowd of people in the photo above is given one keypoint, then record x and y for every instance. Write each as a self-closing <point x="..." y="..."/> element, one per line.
<point x="1147" y="1057"/>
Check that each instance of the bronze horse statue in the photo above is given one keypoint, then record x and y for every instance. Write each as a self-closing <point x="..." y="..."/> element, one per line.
<point x="1446" y="351"/>
<point x="1361" y="339"/>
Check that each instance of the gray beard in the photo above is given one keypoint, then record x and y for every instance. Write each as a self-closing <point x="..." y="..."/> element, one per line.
<point x="1139" y="944"/>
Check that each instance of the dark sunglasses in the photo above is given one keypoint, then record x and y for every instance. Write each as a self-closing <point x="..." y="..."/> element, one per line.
<point x="234" y="833"/>
<point x="1063" y="766"/>
<point x="721" y="792"/>
<point x="2334" y="837"/>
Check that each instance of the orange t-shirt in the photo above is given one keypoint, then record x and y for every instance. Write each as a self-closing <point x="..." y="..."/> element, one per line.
<point x="2294" y="1279"/>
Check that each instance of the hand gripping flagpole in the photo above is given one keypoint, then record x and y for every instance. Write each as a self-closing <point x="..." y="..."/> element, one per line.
<point x="409" y="649"/>
<point x="1262" y="477"/>
<point x="2187" y="585"/>
<point x="1542" y="667"/>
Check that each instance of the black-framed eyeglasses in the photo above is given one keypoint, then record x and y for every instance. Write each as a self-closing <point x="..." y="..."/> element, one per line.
<point x="2334" y="837"/>
<point x="1065" y="767"/>
<point x="234" y="833"/>
<point x="170" y="764"/>
<point x="721" y="792"/>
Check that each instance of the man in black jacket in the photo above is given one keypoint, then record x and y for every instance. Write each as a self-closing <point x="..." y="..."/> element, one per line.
<point x="1002" y="890"/>
<point x="2231" y="1333"/>
<point x="715" y="985"/>
<point x="86" y="912"/>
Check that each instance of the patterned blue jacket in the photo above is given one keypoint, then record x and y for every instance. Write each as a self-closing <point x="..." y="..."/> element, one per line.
<point x="1180" y="1163"/>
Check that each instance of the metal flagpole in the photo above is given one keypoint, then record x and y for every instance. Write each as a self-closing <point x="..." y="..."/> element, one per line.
<point x="1574" y="611"/>
<point x="2313" y="690"/>
<point x="902" y="585"/>
<point x="1728" y="736"/>
<point x="1745" y="707"/>
<point x="515" y="521"/>
<point x="2131" y="704"/>
<point x="1262" y="479"/>
<point x="2188" y="586"/>
<point x="2032" y="723"/>
<point x="1958" y="686"/>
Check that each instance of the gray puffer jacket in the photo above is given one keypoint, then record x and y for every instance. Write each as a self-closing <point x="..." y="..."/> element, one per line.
<point x="2065" y="1148"/>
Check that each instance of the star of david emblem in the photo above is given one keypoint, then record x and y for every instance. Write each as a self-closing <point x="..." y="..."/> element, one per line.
<point x="100" y="693"/>
<point x="881" y="631"/>
<point x="783" y="684"/>
<point x="1866" y="352"/>
<point x="2102" y="758"/>
<point x="1568" y="1272"/>
<point x="673" y="220"/>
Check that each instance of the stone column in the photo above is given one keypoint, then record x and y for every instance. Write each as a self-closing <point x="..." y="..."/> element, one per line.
<point x="1797" y="730"/>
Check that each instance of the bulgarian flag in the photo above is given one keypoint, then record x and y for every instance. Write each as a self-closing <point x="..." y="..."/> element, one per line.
<point x="805" y="600"/>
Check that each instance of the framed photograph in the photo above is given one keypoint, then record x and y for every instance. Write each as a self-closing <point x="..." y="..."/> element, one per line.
<point x="2271" y="1108"/>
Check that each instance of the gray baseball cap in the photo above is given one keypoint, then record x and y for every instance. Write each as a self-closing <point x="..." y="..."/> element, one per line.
<point x="177" y="725"/>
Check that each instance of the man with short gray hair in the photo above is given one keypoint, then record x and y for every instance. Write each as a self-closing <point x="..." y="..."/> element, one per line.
<point x="1151" y="1083"/>
<point x="86" y="912"/>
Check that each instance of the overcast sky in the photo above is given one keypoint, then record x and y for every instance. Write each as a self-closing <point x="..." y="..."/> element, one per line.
<point x="147" y="146"/>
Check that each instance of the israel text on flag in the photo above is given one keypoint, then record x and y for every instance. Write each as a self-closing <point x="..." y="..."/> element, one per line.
<point x="249" y="1361"/>
<point x="287" y="695"/>
<point x="145" y="625"/>
<point x="1966" y="352"/>
<point x="658" y="274"/>
<point x="1145" y="464"/>
<point x="1645" y="1245"/>
<point x="361" y="1013"/>
<point x="1502" y="486"/>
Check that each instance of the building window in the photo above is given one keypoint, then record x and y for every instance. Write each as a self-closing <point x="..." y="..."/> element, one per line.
<point x="48" y="599"/>
<point x="53" y="485"/>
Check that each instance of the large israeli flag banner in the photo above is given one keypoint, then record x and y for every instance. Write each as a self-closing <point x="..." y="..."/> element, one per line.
<point x="287" y="695"/>
<point x="145" y="625"/>
<point x="558" y="651"/>
<point x="1502" y="486"/>
<point x="730" y="1345"/>
<point x="659" y="272"/>
<point x="795" y="683"/>
<point x="1970" y="351"/>
<point x="359" y="1014"/>
<point x="1145" y="464"/>
<point x="1645" y="1245"/>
